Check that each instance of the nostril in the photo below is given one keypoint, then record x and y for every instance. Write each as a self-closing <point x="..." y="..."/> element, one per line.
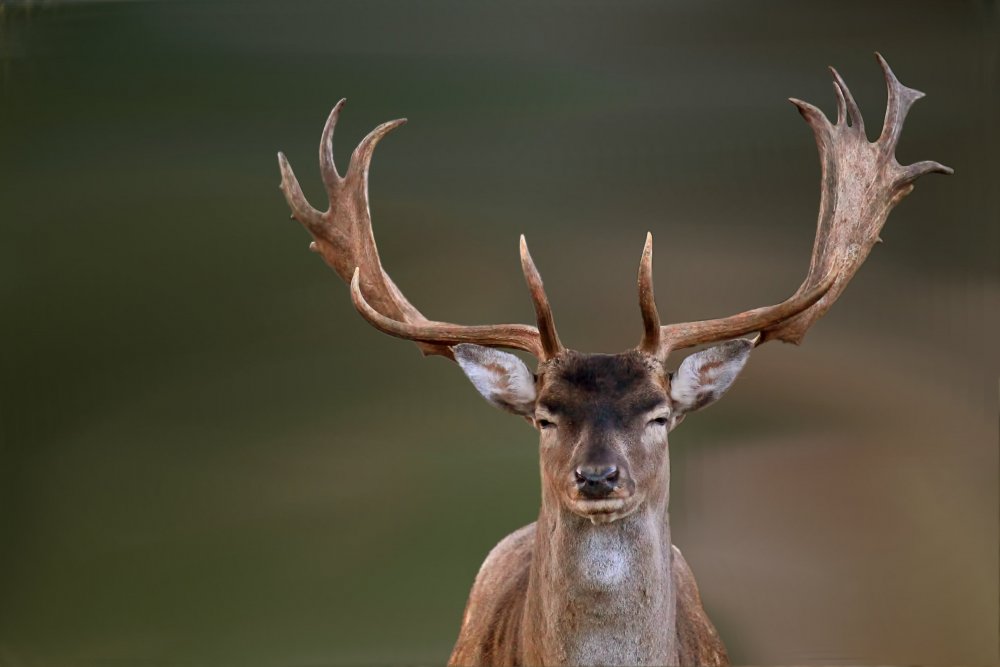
<point x="592" y="476"/>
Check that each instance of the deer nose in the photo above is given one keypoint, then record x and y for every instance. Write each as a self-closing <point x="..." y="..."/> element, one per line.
<point x="596" y="481"/>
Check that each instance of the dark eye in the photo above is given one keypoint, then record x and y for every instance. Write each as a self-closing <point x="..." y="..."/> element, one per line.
<point x="660" y="421"/>
<point x="545" y="423"/>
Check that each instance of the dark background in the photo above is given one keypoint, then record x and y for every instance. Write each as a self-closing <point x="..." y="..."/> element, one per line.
<point x="208" y="458"/>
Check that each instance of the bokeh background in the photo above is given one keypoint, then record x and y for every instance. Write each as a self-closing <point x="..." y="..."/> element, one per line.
<point x="208" y="458"/>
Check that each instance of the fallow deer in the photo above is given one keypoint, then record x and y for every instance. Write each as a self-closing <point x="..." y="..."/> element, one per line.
<point x="596" y="579"/>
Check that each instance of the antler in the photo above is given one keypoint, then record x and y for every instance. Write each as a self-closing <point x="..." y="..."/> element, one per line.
<point x="861" y="181"/>
<point x="343" y="236"/>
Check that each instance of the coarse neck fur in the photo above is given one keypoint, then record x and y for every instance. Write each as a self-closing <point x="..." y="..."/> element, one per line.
<point x="603" y="592"/>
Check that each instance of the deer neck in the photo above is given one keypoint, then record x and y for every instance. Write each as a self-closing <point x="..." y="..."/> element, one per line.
<point x="601" y="593"/>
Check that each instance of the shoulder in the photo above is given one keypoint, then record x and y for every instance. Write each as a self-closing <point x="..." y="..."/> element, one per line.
<point x="698" y="640"/>
<point x="505" y="565"/>
<point x="515" y="547"/>
<point x="492" y="614"/>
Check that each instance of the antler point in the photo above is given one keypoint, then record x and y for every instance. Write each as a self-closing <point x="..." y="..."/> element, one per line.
<point x="647" y="248"/>
<point x="884" y="64"/>
<point x="650" y="342"/>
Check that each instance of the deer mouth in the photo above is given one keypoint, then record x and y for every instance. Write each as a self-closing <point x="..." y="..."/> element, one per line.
<point x="603" y="510"/>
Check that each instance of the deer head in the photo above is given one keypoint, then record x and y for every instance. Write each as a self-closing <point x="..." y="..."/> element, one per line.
<point x="603" y="420"/>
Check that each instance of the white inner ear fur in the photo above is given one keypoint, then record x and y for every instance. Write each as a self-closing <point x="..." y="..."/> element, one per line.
<point x="705" y="376"/>
<point x="500" y="377"/>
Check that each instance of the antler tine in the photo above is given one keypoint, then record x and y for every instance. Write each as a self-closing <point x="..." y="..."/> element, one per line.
<point x="343" y="236"/>
<point x="647" y="303"/>
<point x="550" y="343"/>
<point x="301" y="210"/>
<point x="841" y="103"/>
<point x="861" y="183"/>
<point x="898" y="103"/>
<point x="327" y="166"/>
<point x="854" y="113"/>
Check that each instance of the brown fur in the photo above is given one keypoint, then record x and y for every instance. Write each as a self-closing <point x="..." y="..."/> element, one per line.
<point x="494" y="613"/>
<point x="698" y="639"/>
<point x="569" y="589"/>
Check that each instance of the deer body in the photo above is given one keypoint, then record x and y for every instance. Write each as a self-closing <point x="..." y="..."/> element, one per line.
<point x="496" y="631"/>
<point x="587" y="595"/>
<point x="596" y="580"/>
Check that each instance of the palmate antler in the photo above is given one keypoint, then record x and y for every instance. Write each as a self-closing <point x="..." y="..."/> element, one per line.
<point x="861" y="182"/>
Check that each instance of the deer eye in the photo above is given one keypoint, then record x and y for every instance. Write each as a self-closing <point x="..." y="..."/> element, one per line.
<point x="659" y="421"/>
<point x="545" y="423"/>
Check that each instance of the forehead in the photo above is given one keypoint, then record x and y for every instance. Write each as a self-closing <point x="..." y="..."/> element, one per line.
<point x="626" y="383"/>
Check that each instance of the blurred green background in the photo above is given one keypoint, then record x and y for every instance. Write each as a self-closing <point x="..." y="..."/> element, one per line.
<point x="208" y="458"/>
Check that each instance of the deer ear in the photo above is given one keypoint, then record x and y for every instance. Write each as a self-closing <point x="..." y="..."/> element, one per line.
<point x="705" y="376"/>
<point x="500" y="377"/>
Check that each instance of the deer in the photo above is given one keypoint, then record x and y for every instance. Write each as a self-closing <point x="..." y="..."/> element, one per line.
<point x="596" y="579"/>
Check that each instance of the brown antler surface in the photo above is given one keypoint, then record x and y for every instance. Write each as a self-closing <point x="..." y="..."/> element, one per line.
<point x="861" y="183"/>
<point x="343" y="236"/>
